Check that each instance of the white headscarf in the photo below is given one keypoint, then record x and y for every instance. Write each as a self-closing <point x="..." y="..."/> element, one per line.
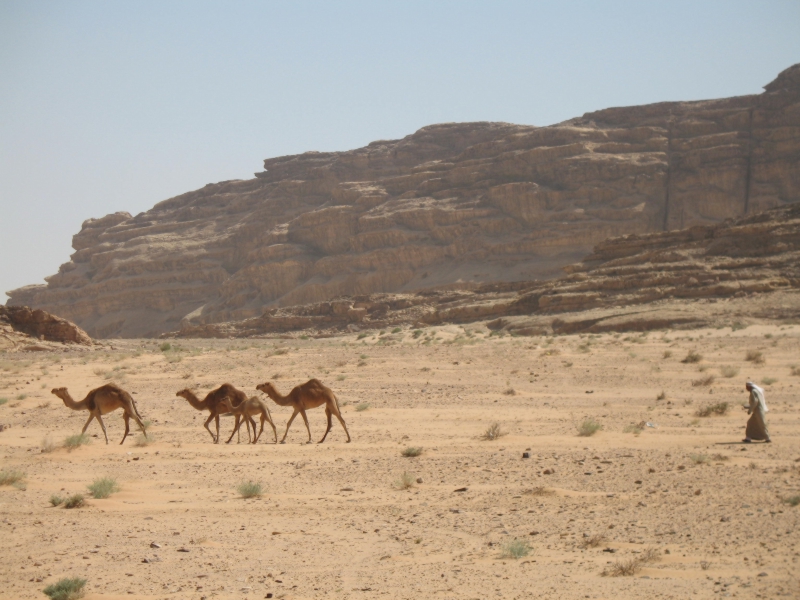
<point x="759" y="394"/>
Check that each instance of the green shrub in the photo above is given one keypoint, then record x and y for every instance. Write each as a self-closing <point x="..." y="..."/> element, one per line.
<point x="412" y="451"/>
<point x="76" y="441"/>
<point x="66" y="589"/>
<point x="103" y="487"/>
<point x="515" y="549"/>
<point x="396" y="330"/>
<point x="165" y="347"/>
<point x="793" y="500"/>
<point x="11" y="477"/>
<point x="249" y="489"/>
<point x="75" y="501"/>
<point x="416" y="333"/>
<point x="589" y="427"/>
<point x="3" y="401"/>
<point x="720" y="408"/>
<point x="699" y="459"/>
<point x="55" y="500"/>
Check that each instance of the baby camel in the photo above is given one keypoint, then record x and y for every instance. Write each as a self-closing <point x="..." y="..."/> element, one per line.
<point x="309" y="395"/>
<point x="213" y="404"/>
<point x="101" y="401"/>
<point x="247" y="410"/>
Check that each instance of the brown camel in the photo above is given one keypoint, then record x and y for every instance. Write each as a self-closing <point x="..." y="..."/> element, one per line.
<point x="213" y="404"/>
<point x="247" y="410"/>
<point x="101" y="401"/>
<point x="309" y="395"/>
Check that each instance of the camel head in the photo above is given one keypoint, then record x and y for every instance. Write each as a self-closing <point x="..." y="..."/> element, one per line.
<point x="267" y="388"/>
<point x="60" y="392"/>
<point x="184" y="393"/>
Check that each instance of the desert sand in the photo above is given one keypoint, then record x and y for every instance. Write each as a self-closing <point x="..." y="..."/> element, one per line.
<point x="710" y="512"/>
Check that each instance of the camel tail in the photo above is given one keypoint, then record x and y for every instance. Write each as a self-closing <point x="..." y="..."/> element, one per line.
<point x="133" y="403"/>
<point x="336" y="399"/>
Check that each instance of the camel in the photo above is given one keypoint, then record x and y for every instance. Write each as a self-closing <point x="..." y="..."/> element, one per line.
<point x="213" y="404"/>
<point x="248" y="409"/>
<point x="101" y="401"/>
<point x="309" y="395"/>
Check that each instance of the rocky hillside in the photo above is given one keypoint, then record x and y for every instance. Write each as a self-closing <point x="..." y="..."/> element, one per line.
<point x="634" y="282"/>
<point x="451" y="205"/>
<point x="24" y="329"/>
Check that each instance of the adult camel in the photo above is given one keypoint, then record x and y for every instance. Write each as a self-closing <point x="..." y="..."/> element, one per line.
<point x="213" y="403"/>
<point x="309" y="395"/>
<point x="101" y="401"/>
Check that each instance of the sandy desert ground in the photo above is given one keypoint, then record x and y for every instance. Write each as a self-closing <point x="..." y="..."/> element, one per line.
<point x="710" y="513"/>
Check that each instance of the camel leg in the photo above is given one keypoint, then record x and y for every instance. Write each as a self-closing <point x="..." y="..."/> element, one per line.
<point x="308" y="428"/>
<point x="263" y="418"/>
<point x="103" y="425"/>
<point x="216" y="440"/>
<point x="134" y="414"/>
<point x="91" y="416"/>
<point x="289" y="424"/>
<point x="327" y="414"/>
<point x="126" y="418"/>
<point x="211" y="433"/>
<point x="235" y="430"/>
<point x="274" y="431"/>
<point x="252" y="422"/>
<point x="341" y="420"/>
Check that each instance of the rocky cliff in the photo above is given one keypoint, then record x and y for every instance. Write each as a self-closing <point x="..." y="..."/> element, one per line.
<point x="451" y="205"/>
<point x="23" y="328"/>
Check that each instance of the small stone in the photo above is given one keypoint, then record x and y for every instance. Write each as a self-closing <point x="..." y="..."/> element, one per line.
<point x="419" y="479"/>
<point x="638" y="482"/>
<point x="154" y="545"/>
<point x="183" y="550"/>
<point x="548" y="471"/>
<point x="762" y="574"/>
<point x="526" y="455"/>
<point x="460" y="490"/>
<point x="697" y="492"/>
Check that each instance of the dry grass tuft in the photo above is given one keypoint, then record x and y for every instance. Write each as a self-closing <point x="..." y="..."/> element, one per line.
<point x="493" y="432"/>
<point x="699" y="459"/>
<point x="362" y="407"/>
<point x="728" y="371"/>
<point x="539" y="491"/>
<point x="103" y="487"/>
<point x="593" y="541"/>
<point x="405" y="481"/>
<point x="707" y="380"/>
<point x="515" y="549"/>
<point x="75" y="501"/>
<point x="630" y="567"/>
<point x="11" y="477"/>
<point x="692" y="357"/>
<point x="249" y="489"/>
<point x="76" y="441"/>
<point x="754" y="356"/>
<point x="589" y="427"/>
<point x="412" y="451"/>
<point x="66" y="589"/>
<point x="48" y="445"/>
<point x="720" y="408"/>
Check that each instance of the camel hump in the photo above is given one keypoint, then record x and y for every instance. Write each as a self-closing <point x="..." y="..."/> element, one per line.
<point x="316" y="387"/>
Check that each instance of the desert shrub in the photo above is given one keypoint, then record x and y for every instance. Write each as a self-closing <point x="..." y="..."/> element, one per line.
<point x="4" y="400"/>
<point x="589" y="427"/>
<point x="720" y="457"/>
<point x="76" y="441"/>
<point x="416" y="333"/>
<point x="66" y="589"/>
<point x="11" y="477"/>
<point x="793" y="500"/>
<point x="493" y="432"/>
<point x="249" y="489"/>
<point x="593" y="541"/>
<point x="540" y="491"/>
<point x="142" y="440"/>
<point x="48" y="445"/>
<point x="633" y="428"/>
<point x="75" y="501"/>
<point x="729" y="371"/>
<point x="515" y="549"/>
<point x="630" y="567"/>
<point x="510" y="392"/>
<point x="165" y="347"/>
<point x="55" y="500"/>
<point x="361" y="336"/>
<point x="769" y="380"/>
<point x="707" y="380"/>
<point x="699" y="459"/>
<point x="362" y="407"/>
<point x="412" y="451"/>
<point x="662" y="395"/>
<point x="754" y="356"/>
<point x="795" y="371"/>
<point x="737" y="325"/>
<point x="103" y="487"/>
<point x="720" y="408"/>
<point x="405" y="481"/>
<point x="396" y="330"/>
<point x="692" y="357"/>
<point x="667" y="354"/>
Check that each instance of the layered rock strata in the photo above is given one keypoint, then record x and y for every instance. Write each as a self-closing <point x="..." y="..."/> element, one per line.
<point x="451" y="205"/>
<point x="635" y="282"/>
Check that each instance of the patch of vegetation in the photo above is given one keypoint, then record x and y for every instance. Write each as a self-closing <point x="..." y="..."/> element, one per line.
<point x="510" y="392"/>
<point x="729" y="371"/>
<point x="795" y="370"/>
<point x="631" y="567"/>
<point x="593" y="541"/>
<point x="589" y="427"/>
<point x="720" y="408"/>
<point x="3" y="401"/>
<point x="633" y="428"/>
<point x="396" y="330"/>
<point x="754" y="356"/>
<point x="47" y="444"/>
<point x="103" y="487"/>
<point x="692" y="357"/>
<point x="76" y="441"/>
<point x="56" y="500"/>
<point x="493" y="432"/>
<point x="515" y="549"/>
<point x="667" y="354"/>
<point x="737" y="325"/>
<point x="66" y="589"/>
<point x="662" y="395"/>
<point x="361" y="336"/>
<point x="165" y="347"/>
<point x="405" y="481"/>
<point x="338" y="378"/>
<point x="720" y="457"/>
<point x="699" y="459"/>
<point x="540" y="491"/>
<point x="249" y="489"/>
<point x="768" y="380"/>
<point x="416" y="333"/>
<point x="75" y="501"/>
<point x="362" y="406"/>
<point x="707" y="380"/>
<point x="142" y="440"/>
<point x="11" y="477"/>
<point x="412" y="451"/>
<point x="793" y="500"/>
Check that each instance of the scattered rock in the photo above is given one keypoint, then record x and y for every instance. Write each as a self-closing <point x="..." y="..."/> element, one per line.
<point x="463" y="489"/>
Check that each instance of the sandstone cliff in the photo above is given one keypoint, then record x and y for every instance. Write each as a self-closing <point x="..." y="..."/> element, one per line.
<point x="635" y="282"/>
<point x="451" y="205"/>
<point x="23" y="328"/>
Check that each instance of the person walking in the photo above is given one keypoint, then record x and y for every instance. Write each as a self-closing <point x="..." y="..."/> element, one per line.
<point x="756" y="424"/>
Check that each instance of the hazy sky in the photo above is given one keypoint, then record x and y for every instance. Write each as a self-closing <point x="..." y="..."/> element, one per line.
<point x="113" y="106"/>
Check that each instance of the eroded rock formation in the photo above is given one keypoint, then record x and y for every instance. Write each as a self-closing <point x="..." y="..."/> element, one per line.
<point x="21" y="327"/>
<point x="450" y="205"/>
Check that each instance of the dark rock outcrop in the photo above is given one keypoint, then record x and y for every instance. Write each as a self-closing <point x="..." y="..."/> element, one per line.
<point x="18" y="324"/>
<point x="454" y="204"/>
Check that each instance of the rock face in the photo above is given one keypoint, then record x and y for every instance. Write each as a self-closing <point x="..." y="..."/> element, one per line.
<point x="635" y="282"/>
<point x="451" y="205"/>
<point x="20" y="326"/>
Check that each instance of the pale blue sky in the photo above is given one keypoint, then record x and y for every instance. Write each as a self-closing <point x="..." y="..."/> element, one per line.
<point x="108" y="106"/>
